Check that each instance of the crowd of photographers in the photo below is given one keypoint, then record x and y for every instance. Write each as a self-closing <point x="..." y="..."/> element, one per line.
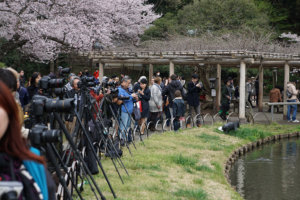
<point x="116" y="99"/>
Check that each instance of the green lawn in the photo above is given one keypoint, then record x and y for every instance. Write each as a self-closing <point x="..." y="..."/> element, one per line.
<point x="185" y="165"/>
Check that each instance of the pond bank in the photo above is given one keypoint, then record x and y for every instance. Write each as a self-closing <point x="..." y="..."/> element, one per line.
<point x="189" y="164"/>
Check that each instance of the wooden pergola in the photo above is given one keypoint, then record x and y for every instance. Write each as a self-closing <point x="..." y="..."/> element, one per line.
<point x="241" y="59"/>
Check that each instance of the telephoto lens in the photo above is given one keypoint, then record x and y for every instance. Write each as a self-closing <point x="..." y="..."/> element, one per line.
<point x="58" y="91"/>
<point x="51" y="136"/>
<point x="40" y="134"/>
<point x="56" y="83"/>
<point x="66" y="105"/>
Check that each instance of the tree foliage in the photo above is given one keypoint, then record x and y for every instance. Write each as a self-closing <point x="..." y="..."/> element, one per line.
<point x="168" y="6"/>
<point x="44" y="28"/>
<point x="212" y="16"/>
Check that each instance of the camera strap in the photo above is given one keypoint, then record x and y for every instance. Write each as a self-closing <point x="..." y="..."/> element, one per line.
<point x="11" y="167"/>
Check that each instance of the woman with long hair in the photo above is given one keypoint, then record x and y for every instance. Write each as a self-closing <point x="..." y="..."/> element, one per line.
<point x="15" y="156"/>
<point x="33" y="89"/>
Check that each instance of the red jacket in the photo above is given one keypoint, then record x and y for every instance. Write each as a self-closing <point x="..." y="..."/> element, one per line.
<point x="98" y="99"/>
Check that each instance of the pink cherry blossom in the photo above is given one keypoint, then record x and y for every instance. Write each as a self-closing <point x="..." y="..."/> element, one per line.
<point x="49" y="27"/>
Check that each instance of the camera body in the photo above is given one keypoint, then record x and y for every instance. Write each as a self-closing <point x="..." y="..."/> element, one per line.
<point x="10" y="190"/>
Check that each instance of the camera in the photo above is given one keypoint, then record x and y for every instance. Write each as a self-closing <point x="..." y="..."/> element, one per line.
<point x="86" y="81"/>
<point x="46" y="82"/>
<point x="40" y="134"/>
<point x="10" y="190"/>
<point x="123" y="98"/>
<point x="63" y="71"/>
<point x="42" y="103"/>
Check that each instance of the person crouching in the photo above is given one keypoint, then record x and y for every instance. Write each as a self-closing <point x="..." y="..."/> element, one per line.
<point x="178" y="109"/>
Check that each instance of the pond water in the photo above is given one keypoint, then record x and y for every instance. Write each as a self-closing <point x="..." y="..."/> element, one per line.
<point x="270" y="172"/>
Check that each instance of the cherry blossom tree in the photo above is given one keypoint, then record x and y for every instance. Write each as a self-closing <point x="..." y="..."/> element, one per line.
<point x="44" y="28"/>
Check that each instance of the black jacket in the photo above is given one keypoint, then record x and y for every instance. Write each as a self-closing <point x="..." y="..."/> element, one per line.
<point x="193" y="94"/>
<point x="170" y="89"/>
<point x="225" y="92"/>
<point x="145" y="101"/>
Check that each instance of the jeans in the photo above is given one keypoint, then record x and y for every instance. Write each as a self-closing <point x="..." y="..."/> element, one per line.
<point x="196" y="109"/>
<point x="125" y="122"/>
<point x="294" y="107"/>
<point x="176" y="124"/>
<point x="168" y="114"/>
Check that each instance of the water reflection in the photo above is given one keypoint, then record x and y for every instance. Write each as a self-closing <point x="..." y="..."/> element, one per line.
<point x="270" y="172"/>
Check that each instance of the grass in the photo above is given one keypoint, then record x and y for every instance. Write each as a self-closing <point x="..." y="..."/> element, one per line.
<point x="183" y="165"/>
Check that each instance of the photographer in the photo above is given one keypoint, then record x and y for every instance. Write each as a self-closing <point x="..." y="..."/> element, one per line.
<point x="75" y="91"/>
<point x="126" y="108"/>
<point x="17" y="162"/>
<point x="68" y="85"/>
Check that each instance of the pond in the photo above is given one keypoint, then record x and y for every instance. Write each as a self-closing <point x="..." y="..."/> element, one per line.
<point x="269" y="172"/>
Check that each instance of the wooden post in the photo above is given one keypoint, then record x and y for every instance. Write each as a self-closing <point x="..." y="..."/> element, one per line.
<point x="218" y="91"/>
<point x="52" y="66"/>
<point x="172" y="68"/>
<point x="261" y="88"/>
<point x="150" y="73"/>
<point x="242" y="89"/>
<point x="286" y="80"/>
<point x="274" y="73"/>
<point x="101" y="71"/>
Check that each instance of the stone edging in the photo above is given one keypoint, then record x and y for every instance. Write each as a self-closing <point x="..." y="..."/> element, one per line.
<point x="250" y="146"/>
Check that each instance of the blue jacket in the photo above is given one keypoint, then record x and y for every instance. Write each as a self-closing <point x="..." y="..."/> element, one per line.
<point x="127" y="103"/>
<point x="23" y="96"/>
<point x="178" y="108"/>
<point x="38" y="173"/>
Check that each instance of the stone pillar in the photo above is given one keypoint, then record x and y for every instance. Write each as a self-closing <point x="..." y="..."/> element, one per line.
<point x="261" y="88"/>
<point x="218" y="87"/>
<point x="101" y="71"/>
<point x="286" y="80"/>
<point x="172" y="68"/>
<point x="150" y="72"/>
<point x="242" y="89"/>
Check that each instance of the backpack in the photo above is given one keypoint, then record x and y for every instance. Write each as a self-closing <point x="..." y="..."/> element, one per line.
<point x="288" y="94"/>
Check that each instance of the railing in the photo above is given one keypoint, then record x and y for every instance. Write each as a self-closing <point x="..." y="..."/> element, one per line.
<point x="279" y="104"/>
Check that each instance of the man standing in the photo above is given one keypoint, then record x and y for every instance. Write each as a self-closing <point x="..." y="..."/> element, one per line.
<point x="22" y="78"/>
<point x="225" y="99"/>
<point x="194" y="89"/>
<point x="169" y="90"/>
<point x="126" y="108"/>
<point x="292" y="93"/>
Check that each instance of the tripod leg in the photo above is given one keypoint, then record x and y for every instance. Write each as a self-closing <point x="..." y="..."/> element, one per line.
<point x="57" y="170"/>
<point x="78" y="155"/>
<point x="65" y="169"/>
<point x="95" y="155"/>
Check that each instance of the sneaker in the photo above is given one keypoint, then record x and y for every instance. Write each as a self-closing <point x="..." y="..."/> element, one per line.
<point x="295" y="121"/>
